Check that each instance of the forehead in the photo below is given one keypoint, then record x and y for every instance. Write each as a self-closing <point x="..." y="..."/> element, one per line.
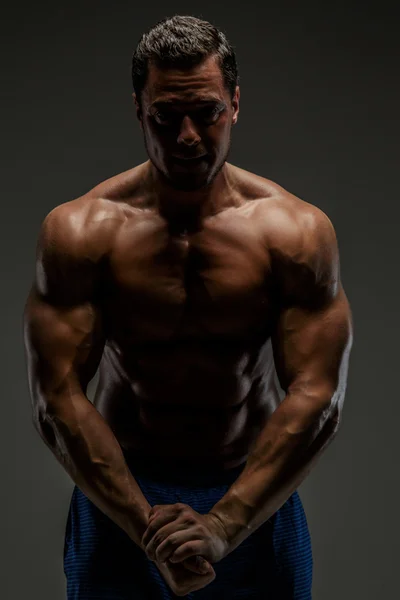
<point x="204" y="82"/>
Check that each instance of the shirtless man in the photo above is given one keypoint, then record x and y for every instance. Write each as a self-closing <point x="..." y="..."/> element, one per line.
<point x="191" y="283"/>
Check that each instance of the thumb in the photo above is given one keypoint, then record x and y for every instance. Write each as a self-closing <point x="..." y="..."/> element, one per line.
<point x="198" y="564"/>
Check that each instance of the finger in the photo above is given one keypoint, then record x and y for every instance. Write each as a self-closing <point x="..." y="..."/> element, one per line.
<point x="198" y="564"/>
<point x="189" y="549"/>
<point x="160" y="507"/>
<point x="169" y="508"/>
<point x="156" y="523"/>
<point x="160" y="514"/>
<point x="191" y="564"/>
<point x="169" y="539"/>
<point x="194" y="582"/>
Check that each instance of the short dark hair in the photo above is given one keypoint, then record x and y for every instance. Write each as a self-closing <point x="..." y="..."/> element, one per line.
<point x="180" y="42"/>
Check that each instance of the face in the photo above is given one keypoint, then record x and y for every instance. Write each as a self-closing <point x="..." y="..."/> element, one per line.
<point x="186" y="116"/>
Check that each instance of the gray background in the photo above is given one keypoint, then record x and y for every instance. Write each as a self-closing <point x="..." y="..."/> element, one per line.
<point x="319" y="115"/>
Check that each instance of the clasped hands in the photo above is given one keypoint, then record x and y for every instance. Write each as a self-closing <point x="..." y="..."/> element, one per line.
<point x="183" y="543"/>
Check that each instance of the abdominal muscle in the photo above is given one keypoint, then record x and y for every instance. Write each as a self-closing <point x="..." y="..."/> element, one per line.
<point x="202" y="417"/>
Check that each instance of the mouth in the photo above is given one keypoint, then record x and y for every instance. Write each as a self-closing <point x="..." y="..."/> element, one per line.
<point x="189" y="160"/>
<point x="194" y="164"/>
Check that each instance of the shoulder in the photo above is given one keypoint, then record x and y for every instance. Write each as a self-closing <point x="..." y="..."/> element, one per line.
<point x="84" y="227"/>
<point x="304" y="251"/>
<point x="297" y="230"/>
<point x="90" y="222"/>
<point x="300" y="239"/>
<point x="291" y="226"/>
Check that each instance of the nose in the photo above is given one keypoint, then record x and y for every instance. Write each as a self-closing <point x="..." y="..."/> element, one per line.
<point x="188" y="134"/>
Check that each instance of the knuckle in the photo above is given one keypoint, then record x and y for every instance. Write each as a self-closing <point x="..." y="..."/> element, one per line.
<point x="190" y="546"/>
<point x="172" y="540"/>
<point x="158" y="555"/>
<point x="167" y="544"/>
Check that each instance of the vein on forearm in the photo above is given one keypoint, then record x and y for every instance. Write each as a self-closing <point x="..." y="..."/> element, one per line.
<point x="284" y="453"/>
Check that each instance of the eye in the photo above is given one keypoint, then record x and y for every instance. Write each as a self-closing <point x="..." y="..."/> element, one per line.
<point x="160" y="116"/>
<point x="211" y="114"/>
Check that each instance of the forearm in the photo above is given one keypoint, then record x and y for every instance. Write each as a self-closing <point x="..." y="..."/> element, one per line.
<point x="84" y="444"/>
<point x="284" y="453"/>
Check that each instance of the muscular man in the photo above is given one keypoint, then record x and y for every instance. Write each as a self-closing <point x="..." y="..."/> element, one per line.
<point x="191" y="283"/>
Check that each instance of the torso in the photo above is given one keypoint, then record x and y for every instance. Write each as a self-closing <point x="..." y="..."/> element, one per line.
<point x="187" y="374"/>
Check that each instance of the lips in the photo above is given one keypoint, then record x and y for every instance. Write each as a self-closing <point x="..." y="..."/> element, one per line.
<point x="186" y="159"/>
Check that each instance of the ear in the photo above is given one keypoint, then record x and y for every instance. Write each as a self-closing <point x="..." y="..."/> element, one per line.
<point x="235" y="105"/>
<point x="138" y="109"/>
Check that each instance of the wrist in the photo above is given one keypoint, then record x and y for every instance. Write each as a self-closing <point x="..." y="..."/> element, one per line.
<point x="136" y="524"/>
<point x="229" y="532"/>
<point x="232" y="517"/>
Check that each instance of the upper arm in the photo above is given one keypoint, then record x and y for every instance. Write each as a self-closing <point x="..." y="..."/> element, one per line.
<point x="313" y="334"/>
<point x="62" y="320"/>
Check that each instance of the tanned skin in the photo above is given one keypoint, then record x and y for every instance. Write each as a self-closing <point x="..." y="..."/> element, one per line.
<point x="189" y="286"/>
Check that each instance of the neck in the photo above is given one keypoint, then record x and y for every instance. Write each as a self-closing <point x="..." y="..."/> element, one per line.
<point x="187" y="209"/>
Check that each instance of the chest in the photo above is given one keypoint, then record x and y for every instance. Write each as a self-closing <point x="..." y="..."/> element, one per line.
<point x="216" y="281"/>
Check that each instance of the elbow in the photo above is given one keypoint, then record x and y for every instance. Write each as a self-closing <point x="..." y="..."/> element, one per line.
<point x="334" y="419"/>
<point x="43" y="417"/>
<point x="39" y="410"/>
<point x="329" y="417"/>
<point x="43" y="426"/>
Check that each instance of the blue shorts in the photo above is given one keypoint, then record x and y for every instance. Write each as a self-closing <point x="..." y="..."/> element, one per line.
<point x="102" y="563"/>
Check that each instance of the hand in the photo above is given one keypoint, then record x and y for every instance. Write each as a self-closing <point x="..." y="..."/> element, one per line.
<point x="182" y="580"/>
<point x="176" y="532"/>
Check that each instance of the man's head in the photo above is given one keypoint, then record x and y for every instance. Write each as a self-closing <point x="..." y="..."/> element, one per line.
<point x="185" y="80"/>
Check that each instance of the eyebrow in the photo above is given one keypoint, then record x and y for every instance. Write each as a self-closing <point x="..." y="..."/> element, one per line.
<point x="203" y="101"/>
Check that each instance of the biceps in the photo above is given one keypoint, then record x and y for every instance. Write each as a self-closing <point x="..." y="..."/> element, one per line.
<point x="311" y="348"/>
<point x="63" y="345"/>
